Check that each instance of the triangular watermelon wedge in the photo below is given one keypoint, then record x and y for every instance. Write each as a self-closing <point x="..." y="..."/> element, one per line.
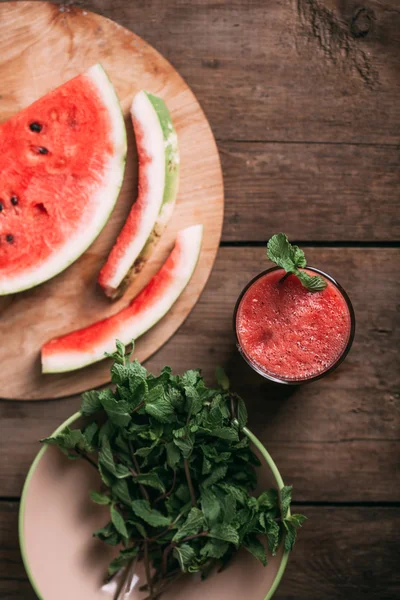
<point x="62" y="163"/>
<point x="89" y="345"/>
<point x="158" y="152"/>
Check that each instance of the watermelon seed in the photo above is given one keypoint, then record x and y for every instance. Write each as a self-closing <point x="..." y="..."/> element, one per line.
<point x="14" y="200"/>
<point x="9" y="238"/>
<point x="42" y="150"/>
<point x="36" y="127"/>
<point x="1" y="207"/>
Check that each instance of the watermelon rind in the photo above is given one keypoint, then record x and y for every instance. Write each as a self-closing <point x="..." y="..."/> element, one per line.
<point x="105" y="197"/>
<point x="89" y="345"/>
<point x="160" y="142"/>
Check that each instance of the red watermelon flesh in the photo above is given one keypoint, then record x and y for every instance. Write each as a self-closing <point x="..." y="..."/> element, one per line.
<point x="88" y="345"/>
<point x="61" y="166"/>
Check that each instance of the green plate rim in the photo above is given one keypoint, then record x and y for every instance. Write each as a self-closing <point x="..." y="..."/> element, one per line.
<point x="265" y="454"/>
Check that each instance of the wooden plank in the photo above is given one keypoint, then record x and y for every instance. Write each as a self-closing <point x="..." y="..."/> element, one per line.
<point x="331" y="556"/>
<point x="11" y="589"/>
<point x="311" y="191"/>
<point x="336" y="439"/>
<point x="344" y="553"/>
<point x="287" y="71"/>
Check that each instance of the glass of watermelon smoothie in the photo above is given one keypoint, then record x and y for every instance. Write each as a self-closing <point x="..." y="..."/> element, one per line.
<point x="289" y="334"/>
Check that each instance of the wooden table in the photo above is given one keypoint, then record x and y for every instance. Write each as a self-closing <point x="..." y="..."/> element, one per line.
<point x="303" y="98"/>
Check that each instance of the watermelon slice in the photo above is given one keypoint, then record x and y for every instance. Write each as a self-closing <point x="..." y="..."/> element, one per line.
<point x="62" y="162"/>
<point x="88" y="345"/>
<point x="157" y="145"/>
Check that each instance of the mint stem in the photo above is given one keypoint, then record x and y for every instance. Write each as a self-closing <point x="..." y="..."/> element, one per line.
<point x="147" y="568"/>
<point x="165" y="558"/>
<point x="127" y="580"/>
<point x="189" y="482"/>
<point x="169" y="492"/>
<point x="282" y="279"/>
<point x="89" y="460"/>
<point x="135" y="462"/>
<point x="163" y="587"/>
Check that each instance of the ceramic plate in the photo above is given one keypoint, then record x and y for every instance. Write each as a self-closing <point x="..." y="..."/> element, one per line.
<point x="64" y="561"/>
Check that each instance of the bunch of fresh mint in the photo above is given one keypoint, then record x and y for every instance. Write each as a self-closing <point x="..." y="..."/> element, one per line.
<point x="177" y="473"/>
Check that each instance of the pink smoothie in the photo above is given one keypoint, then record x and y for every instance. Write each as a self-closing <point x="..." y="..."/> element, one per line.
<point x="287" y="331"/>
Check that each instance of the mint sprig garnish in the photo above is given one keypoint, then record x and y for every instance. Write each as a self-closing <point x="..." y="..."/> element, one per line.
<point x="178" y="475"/>
<point x="291" y="258"/>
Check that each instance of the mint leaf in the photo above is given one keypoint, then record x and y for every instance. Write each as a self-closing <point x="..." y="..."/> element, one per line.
<point x="106" y="458"/>
<point x="120" y="348"/>
<point x="99" y="498"/>
<point x="298" y="257"/>
<point x="222" y="379"/>
<point x="217" y="474"/>
<point x="119" y="374"/>
<point x="207" y="466"/>
<point x="226" y="433"/>
<point x="193" y="524"/>
<point x="153" y="517"/>
<point x="235" y="492"/>
<point x="185" y="555"/>
<point x="117" y="411"/>
<point x="290" y="537"/>
<point x="210" y="506"/>
<point x="137" y="379"/>
<point x="90" y="433"/>
<point x="291" y="525"/>
<point x="184" y="439"/>
<point x="268" y="499"/>
<point x="118" y="521"/>
<point x="122" y="560"/>
<point x="90" y="403"/>
<point x="226" y="533"/>
<point x="176" y="398"/>
<point x="173" y="455"/>
<point x="272" y="530"/>
<point x="119" y="355"/>
<point x="297" y="520"/>
<point x="121" y="491"/>
<point x="140" y="528"/>
<point x="241" y="413"/>
<point x="108" y="534"/>
<point x="106" y="477"/>
<point x="194" y="402"/>
<point x="214" y="549"/>
<point x="158" y="406"/>
<point x="292" y="259"/>
<point x="70" y="439"/>
<point x="191" y="377"/>
<point x="146" y="450"/>
<point x="281" y="252"/>
<point x="286" y="498"/>
<point x="314" y="283"/>
<point x="256" y="548"/>
<point x="150" y="479"/>
<point x="107" y="431"/>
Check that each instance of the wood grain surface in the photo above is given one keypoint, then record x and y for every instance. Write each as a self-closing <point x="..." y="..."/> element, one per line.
<point x="334" y="440"/>
<point x="331" y="553"/>
<point x="302" y="96"/>
<point x="282" y="70"/>
<point x="66" y="43"/>
<point x="295" y="186"/>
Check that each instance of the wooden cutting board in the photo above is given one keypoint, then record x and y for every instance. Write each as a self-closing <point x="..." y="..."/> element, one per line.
<point x="41" y="46"/>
